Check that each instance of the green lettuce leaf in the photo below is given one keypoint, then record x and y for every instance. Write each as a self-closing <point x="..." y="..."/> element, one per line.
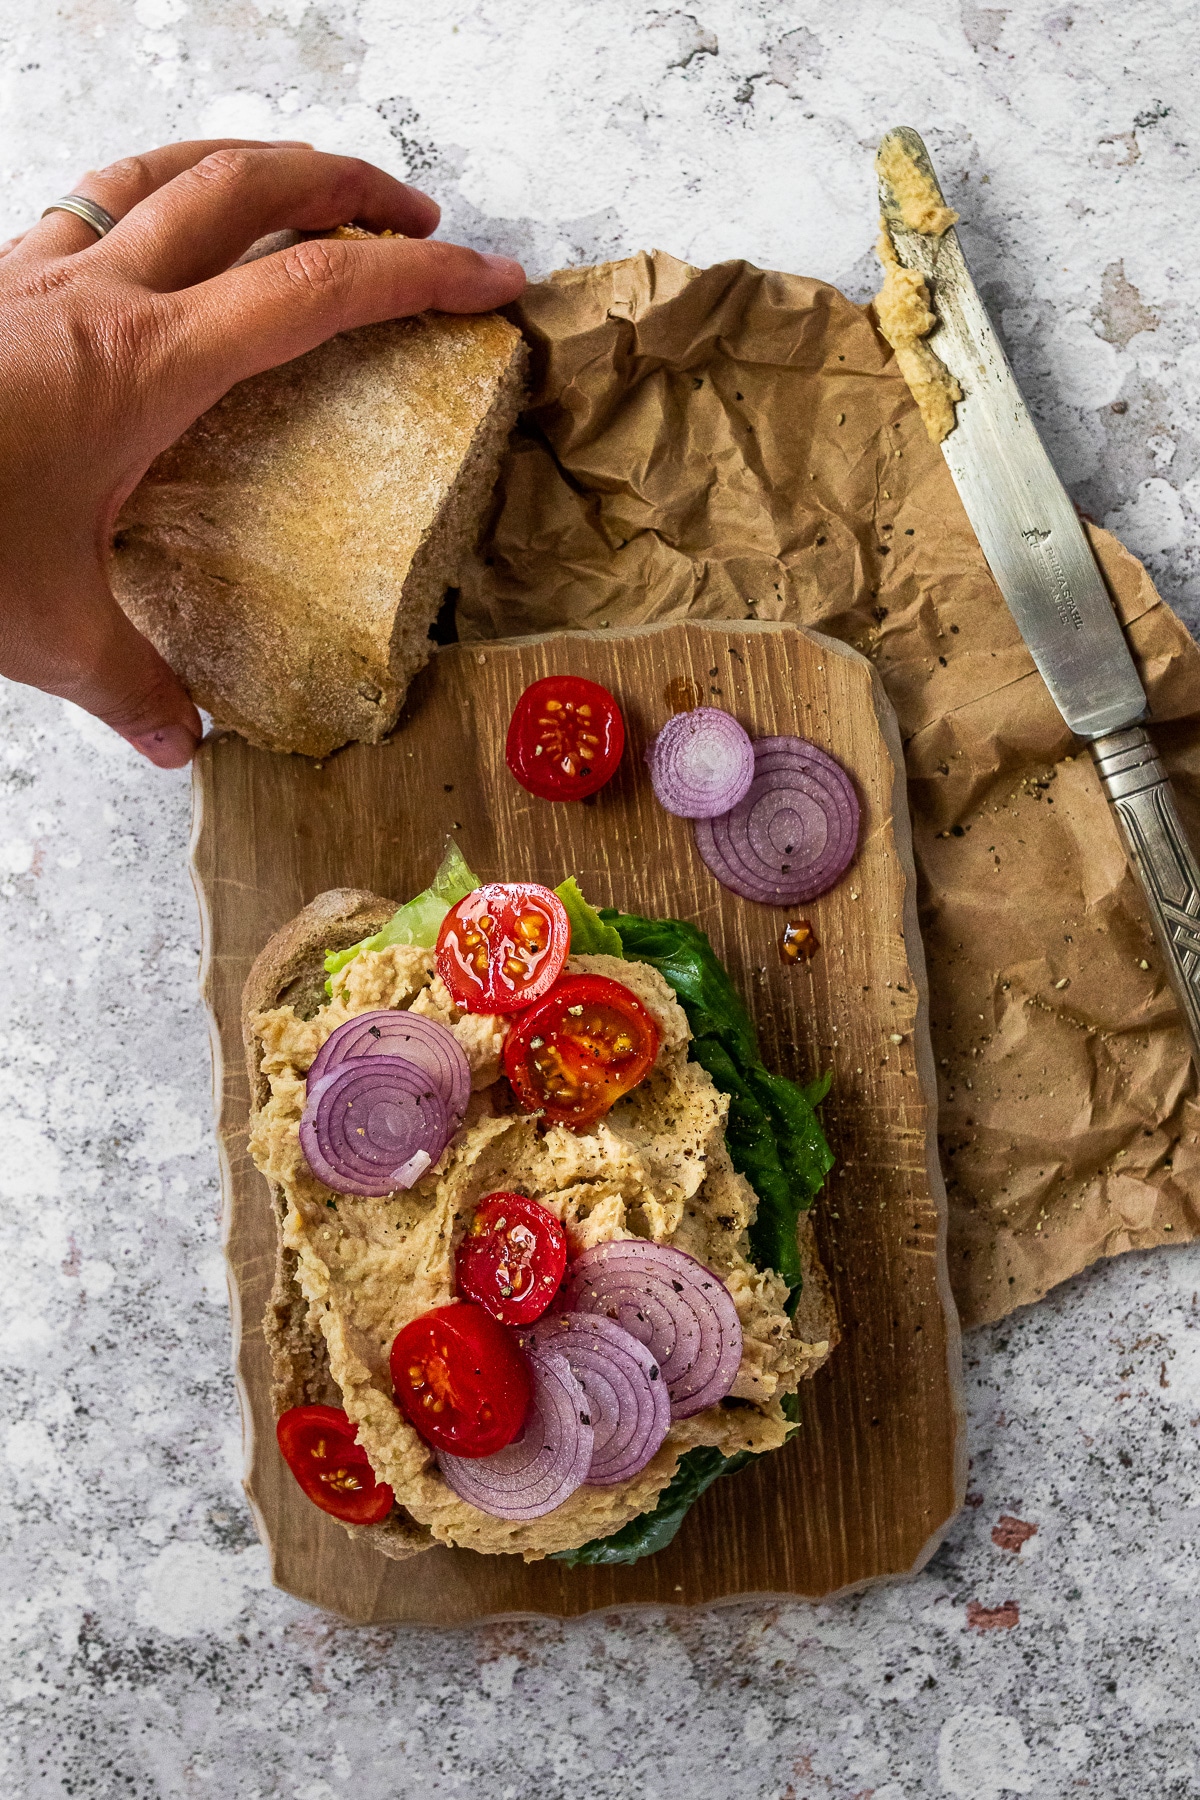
<point x="776" y="1141"/>
<point x="653" y="1531"/>
<point x="774" y="1135"/>
<point x="419" y="920"/>
<point x="590" y="936"/>
<point x="683" y="954"/>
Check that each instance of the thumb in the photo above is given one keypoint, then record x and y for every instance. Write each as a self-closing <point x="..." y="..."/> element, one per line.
<point x="124" y="681"/>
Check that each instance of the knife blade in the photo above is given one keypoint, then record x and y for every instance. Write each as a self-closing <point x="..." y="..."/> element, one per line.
<point x="1025" y="522"/>
<point x="1043" y="565"/>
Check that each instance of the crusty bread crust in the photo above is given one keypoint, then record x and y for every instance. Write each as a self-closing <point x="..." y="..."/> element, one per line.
<point x="289" y="553"/>
<point x="815" y="1317"/>
<point x="290" y="970"/>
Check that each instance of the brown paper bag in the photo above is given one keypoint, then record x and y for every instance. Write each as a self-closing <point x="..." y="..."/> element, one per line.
<point x="733" y="443"/>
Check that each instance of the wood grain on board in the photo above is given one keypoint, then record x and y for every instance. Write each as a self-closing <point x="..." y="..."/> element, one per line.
<point x="868" y="1484"/>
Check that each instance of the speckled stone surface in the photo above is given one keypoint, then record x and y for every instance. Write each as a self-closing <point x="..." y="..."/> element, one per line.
<point x="1051" y="1647"/>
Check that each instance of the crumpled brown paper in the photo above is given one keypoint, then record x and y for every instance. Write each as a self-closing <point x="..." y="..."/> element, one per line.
<point x="735" y="443"/>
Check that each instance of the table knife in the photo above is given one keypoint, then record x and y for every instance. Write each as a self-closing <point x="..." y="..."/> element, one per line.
<point x="1039" y="555"/>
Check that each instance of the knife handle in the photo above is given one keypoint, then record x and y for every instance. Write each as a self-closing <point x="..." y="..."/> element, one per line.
<point x="1138" y="787"/>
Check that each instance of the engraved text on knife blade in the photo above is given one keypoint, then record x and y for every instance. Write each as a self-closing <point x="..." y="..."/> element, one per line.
<point x="1064" y="600"/>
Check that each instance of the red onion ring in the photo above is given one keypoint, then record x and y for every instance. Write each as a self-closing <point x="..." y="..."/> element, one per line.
<point x="545" y="1465"/>
<point x="701" y="763"/>
<point x="626" y="1395"/>
<point x="367" y="1124"/>
<point x="681" y="1311"/>
<point x="793" y="835"/>
<point x="422" y="1041"/>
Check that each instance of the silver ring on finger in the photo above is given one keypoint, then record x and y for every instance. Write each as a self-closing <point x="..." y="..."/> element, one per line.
<point x="100" y="221"/>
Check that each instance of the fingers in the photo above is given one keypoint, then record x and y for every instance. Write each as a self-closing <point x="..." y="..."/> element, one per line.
<point x="130" y="687"/>
<point x="200" y="222"/>
<point x="76" y="642"/>
<point x="264" y="313"/>
<point x="120" y="187"/>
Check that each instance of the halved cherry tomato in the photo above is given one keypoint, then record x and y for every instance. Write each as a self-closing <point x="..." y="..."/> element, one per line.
<point x="503" y="946"/>
<point x="577" y="1051"/>
<point x="512" y="1259"/>
<point x="460" y="1380"/>
<point x="321" y="1448"/>
<point x="565" y="738"/>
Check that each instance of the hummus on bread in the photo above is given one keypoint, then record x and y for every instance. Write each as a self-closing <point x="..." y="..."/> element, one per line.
<point x="655" y="1167"/>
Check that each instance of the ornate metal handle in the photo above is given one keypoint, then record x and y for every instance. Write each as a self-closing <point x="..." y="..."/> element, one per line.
<point x="1165" y="862"/>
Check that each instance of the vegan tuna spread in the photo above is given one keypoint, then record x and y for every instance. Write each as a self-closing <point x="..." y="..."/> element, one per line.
<point x="902" y="305"/>
<point x="540" y="1279"/>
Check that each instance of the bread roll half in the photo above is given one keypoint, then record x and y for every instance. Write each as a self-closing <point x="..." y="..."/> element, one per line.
<point x="289" y="553"/>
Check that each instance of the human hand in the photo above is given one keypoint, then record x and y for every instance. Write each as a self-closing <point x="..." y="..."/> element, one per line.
<point x="110" y="348"/>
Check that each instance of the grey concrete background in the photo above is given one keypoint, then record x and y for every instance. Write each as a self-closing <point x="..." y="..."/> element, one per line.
<point x="144" y="1653"/>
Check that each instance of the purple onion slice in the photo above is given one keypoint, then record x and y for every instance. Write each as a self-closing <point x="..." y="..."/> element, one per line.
<point x="419" y="1040"/>
<point x="368" y="1124"/>
<point x="626" y="1394"/>
<point x="545" y="1465"/>
<point x="681" y="1311"/>
<point x="701" y="763"/>
<point x="793" y="835"/>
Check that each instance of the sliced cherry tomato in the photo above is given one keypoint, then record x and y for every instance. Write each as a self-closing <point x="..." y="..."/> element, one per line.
<point x="321" y="1448"/>
<point x="512" y="1259"/>
<point x="461" y="1380"/>
<point x="503" y="946"/>
<point x="577" y="1051"/>
<point x="565" y="738"/>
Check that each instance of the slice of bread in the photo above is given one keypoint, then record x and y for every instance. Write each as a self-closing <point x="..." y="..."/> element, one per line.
<point x="289" y="553"/>
<point x="290" y="971"/>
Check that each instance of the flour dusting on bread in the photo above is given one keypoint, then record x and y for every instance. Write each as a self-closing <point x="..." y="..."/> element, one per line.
<point x="290" y="552"/>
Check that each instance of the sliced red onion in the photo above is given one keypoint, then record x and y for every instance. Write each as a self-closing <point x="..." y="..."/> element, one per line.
<point x="422" y="1041"/>
<point x="701" y="763"/>
<point x="681" y="1311"/>
<point x="545" y="1465"/>
<point x="795" y="832"/>
<point x="368" y="1124"/>
<point x="626" y="1394"/>
<point x="409" y="1173"/>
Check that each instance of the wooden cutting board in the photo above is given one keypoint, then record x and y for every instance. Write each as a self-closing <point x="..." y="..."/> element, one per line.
<point x="866" y="1488"/>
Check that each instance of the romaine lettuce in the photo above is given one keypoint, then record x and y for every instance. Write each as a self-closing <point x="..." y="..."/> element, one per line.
<point x="653" y="1531"/>
<point x="590" y="936"/>
<point x="419" y="920"/>
<point x="775" y="1140"/>
<point x="774" y="1135"/>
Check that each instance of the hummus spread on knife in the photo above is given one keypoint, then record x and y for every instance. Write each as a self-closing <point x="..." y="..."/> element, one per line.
<point x="654" y="1168"/>
<point x="902" y="305"/>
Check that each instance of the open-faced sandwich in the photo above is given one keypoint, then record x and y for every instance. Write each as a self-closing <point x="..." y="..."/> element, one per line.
<point x="545" y="1265"/>
<point x="546" y="1269"/>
